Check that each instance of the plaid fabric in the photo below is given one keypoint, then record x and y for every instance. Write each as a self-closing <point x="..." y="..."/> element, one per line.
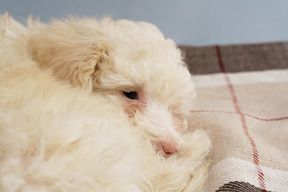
<point x="243" y="103"/>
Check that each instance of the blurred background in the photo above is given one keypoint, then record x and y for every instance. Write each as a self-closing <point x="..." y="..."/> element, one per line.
<point x="188" y="22"/>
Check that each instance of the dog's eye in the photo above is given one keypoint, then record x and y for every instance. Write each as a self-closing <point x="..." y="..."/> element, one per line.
<point x="131" y="94"/>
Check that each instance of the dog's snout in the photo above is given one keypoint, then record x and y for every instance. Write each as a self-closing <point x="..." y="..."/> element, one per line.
<point x="169" y="148"/>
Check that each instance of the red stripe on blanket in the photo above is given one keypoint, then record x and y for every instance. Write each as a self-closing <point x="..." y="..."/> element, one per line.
<point x="245" y="114"/>
<point x="243" y="120"/>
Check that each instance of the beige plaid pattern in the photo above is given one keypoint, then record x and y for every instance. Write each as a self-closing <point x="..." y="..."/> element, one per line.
<point x="246" y="115"/>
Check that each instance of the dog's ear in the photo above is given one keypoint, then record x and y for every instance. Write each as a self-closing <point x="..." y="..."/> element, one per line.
<point x="72" y="56"/>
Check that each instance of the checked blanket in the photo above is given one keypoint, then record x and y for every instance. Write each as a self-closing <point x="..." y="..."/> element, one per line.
<point x="242" y="102"/>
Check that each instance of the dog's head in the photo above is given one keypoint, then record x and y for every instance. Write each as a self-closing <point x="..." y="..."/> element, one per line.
<point x="130" y="62"/>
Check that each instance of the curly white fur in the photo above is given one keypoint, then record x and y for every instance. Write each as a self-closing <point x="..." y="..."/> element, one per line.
<point x="65" y="124"/>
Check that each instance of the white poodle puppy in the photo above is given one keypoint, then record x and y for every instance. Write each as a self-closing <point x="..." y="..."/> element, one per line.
<point x="89" y="105"/>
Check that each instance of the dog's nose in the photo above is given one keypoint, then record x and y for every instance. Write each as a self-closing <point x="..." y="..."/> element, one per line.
<point x="170" y="148"/>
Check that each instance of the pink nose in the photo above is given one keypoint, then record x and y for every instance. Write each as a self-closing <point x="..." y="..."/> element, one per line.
<point x="170" y="148"/>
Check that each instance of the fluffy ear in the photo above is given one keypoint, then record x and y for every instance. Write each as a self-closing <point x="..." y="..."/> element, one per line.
<point x="72" y="56"/>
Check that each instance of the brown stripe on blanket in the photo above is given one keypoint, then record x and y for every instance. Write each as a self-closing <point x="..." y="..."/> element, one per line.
<point x="236" y="58"/>
<point x="237" y="186"/>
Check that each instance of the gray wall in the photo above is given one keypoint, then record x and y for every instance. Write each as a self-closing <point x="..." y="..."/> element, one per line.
<point x="188" y="22"/>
